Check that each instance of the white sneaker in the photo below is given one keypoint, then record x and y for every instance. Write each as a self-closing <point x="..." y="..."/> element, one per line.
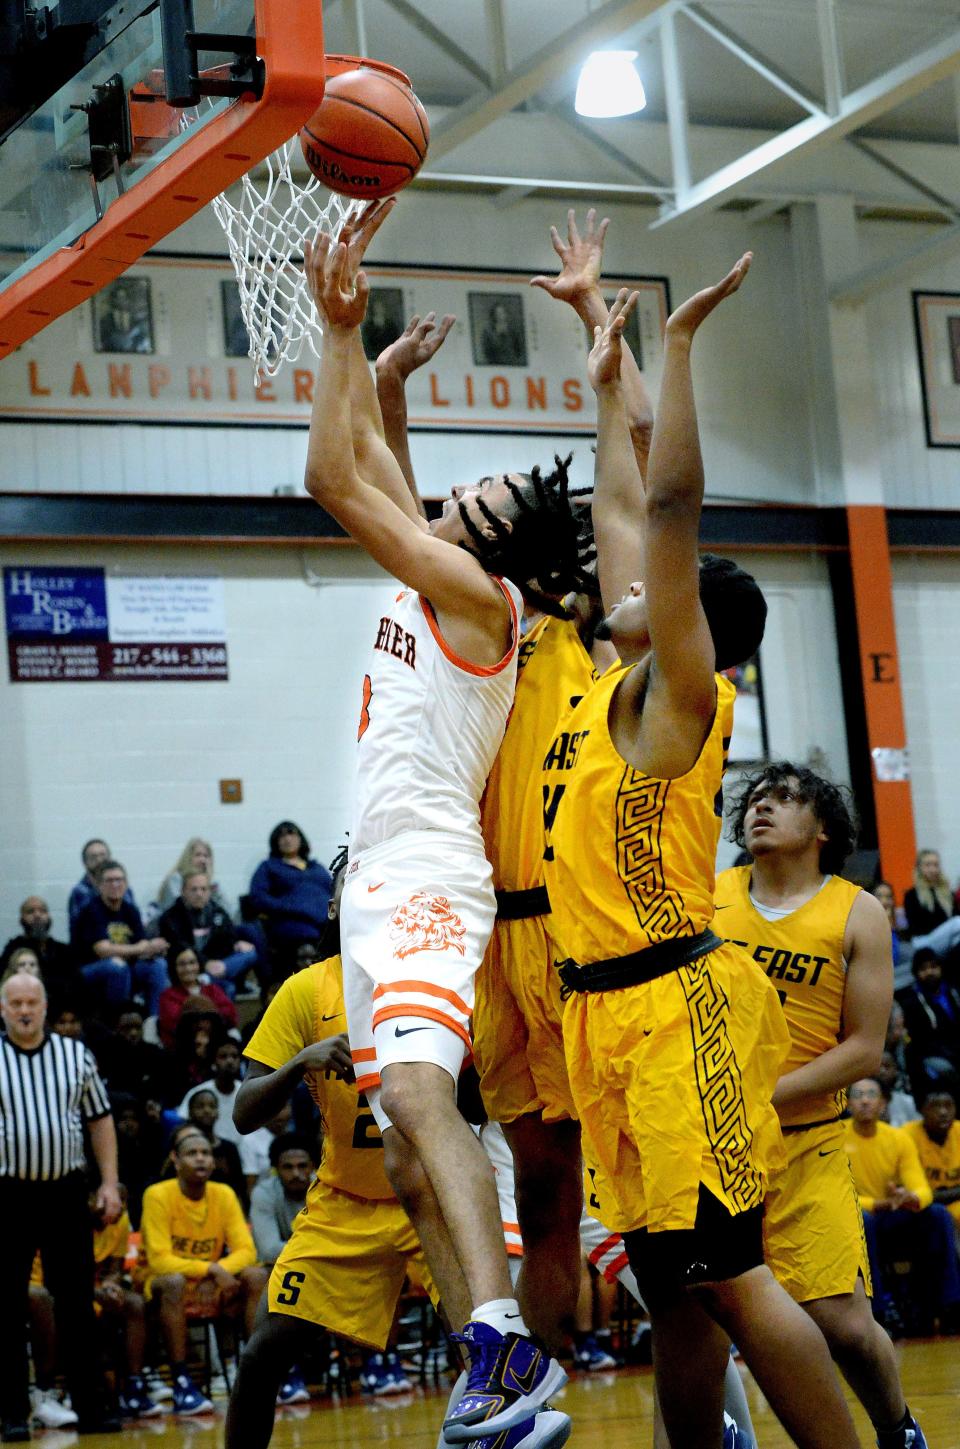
<point x="159" y="1392"/>
<point x="48" y="1412"/>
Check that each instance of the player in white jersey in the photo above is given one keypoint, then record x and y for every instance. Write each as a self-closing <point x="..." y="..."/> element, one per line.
<point x="419" y="905"/>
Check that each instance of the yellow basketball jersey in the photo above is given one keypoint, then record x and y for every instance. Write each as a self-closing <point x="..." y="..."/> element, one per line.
<point x="629" y="859"/>
<point x="941" y="1163"/>
<point x="802" y="955"/>
<point x="554" y="673"/>
<point x="307" y="1008"/>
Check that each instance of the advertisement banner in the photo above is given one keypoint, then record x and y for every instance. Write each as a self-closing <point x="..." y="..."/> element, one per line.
<point x="81" y="625"/>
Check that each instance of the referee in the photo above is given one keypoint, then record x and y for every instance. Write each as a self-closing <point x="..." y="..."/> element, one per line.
<point x="49" y="1088"/>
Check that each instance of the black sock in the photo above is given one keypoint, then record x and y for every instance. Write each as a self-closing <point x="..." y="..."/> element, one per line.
<point x="895" y="1438"/>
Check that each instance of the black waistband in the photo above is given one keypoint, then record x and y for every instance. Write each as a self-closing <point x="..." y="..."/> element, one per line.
<point x="638" y="967"/>
<point x="517" y="905"/>
<point x="809" y="1126"/>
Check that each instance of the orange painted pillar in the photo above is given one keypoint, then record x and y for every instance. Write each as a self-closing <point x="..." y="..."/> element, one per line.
<point x="880" y="674"/>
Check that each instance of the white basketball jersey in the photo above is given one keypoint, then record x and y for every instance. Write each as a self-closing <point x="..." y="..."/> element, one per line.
<point x="431" y="724"/>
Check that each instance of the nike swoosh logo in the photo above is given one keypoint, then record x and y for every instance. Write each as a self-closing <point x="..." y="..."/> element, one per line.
<point x="332" y="1016"/>
<point x="407" y="1030"/>
<point x="721" y="908"/>
<point x="511" y="1315"/>
<point x="829" y="1152"/>
<point x="373" y="888"/>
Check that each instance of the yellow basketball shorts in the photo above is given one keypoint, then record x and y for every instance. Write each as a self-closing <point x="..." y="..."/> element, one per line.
<point x="517" y="1036"/>
<point x="812" y="1226"/>
<point x="672" y="1082"/>
<point x="345" y="1265"/>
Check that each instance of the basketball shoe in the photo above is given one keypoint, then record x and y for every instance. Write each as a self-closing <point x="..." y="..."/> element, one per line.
<point x="510" y="1378"/>
<point x="733" y="1436"/>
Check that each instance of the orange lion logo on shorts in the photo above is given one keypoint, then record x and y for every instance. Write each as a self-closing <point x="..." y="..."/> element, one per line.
<point x="426" y="923"/>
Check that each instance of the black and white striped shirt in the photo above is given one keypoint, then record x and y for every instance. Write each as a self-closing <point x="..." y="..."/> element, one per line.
<point x="46" y="1095"/>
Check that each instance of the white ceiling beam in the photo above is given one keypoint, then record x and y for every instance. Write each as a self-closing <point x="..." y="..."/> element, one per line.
<point x="544" y="66"/>
<point x="763" y="211"/>
<point x="858" y="108"/>
<point x="676" y="101"/>
<point x="441" y="40"/>
<point x="852" y="290"/>
<point x="753" y="58"/>
<point x="462" y="180"/>
<point x="588" y="133"/>
<point x="909" y="178"/>
<point x="831" y="56"/>
<point x="497" y="36"/>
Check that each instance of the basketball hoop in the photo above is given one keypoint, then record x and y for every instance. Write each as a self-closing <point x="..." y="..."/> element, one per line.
<point x="265" y="228"/>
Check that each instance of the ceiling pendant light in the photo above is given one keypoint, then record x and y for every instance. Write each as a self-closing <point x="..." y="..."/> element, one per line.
<point x="609" y="85"/>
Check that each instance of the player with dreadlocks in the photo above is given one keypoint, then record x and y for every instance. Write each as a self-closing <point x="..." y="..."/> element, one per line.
<point x="418" y="905"/>
<point x="825" y="945"/>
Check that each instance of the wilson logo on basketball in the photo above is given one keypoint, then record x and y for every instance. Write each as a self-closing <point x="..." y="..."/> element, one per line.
<point x="331" y="172"/>
<point x="426" y="923"/>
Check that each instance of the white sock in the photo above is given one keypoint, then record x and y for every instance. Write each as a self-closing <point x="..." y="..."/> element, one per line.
<point x="503" y="1314"/>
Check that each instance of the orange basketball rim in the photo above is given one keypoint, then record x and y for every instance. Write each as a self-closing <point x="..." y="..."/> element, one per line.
<point x="209" y="159"/>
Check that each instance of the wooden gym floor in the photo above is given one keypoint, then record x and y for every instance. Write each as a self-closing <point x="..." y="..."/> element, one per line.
<point x="609" y="1411"/>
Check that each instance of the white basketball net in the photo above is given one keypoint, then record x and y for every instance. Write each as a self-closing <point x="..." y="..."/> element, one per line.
<point x="265" y="230"/>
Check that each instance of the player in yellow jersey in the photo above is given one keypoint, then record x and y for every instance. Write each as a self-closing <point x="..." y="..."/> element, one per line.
<point x="518" y="1042"/>
<point x="825" y="945"/>
<point x="674" y="1042"/>
<point x="936" y="1136"/>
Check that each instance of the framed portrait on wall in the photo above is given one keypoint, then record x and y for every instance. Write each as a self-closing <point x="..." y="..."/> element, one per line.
<point x="937" y="321"/>
<point x="384" y="321"/>
<point x="749" y="745"/>
<point x="498" y="333"/>
<point x="123" y="317"/>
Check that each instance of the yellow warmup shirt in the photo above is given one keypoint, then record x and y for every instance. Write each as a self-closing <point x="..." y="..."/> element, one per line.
<point x="181" y="1235"/>
<point x="888" y="1157"/>
<point x="629" y="859"/>
<point x="113" y="1240"/>
<point x="802" y="955"/>
<point x="307" y="1008"/>
<point x="940" y="1163"/>
<point x="554" y="672"/>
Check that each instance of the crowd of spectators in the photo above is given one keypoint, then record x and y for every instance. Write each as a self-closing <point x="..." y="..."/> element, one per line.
<point x="160" y="1001"/>
<point x="148" y="997"/>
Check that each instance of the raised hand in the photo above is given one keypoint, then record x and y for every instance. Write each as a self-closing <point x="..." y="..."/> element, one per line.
<point x="340" y="299"/>
<point x="603" y="364"/>
<point x="580" y="258"/>
<point x="419" y="341"/>
<point x="688" y="316"/>
<point x="359" y="230"/>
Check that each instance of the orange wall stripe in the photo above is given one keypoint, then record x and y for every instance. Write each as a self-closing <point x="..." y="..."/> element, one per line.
<point x="880" y="676"/>
<point x="425" y="988"/>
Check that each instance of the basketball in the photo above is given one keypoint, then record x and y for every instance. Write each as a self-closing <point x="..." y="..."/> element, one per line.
<point x="369" y="136"/>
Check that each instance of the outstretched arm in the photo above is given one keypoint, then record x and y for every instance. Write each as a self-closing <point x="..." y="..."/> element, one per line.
<point x="618" y="508"/>
<point x="449" y="576"/>
<point x="417" y="344"/>
<point x="578" y="283"/>
<point x="679" y="633"/>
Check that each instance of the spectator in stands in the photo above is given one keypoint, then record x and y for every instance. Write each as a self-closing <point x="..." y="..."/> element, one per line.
<point x="198" y="1253"/>
<point x="196" y="857"/>
<point x="931" y="1014"/>
<point x="94" y="853"/>
<point x="24" y="959"/>
<point x="937" y="1140"/>
<point x="121" y="1310"/>
<point x="224" y="1083"/>
<point x="883" y="891"/>
<point x="108" y="934"/>
<point x="291" y="891"/>
<point x="134" y="1065"/>
<point x="275" y="1202"/>
<point x="227" y="1164"/>
<point x="929" y="901"/>
<point x="58" y="962"/>
<point x="134" y="1165"/>
<point x="196" y="920"/>
<point x="899" y="1106"/>
<point x="188" y="992"/>
<point x="256" y="1146"/>
<point x="900" y="1218"/>
<point x="196" y="1039"/>
<point x="66" y="1020"/>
